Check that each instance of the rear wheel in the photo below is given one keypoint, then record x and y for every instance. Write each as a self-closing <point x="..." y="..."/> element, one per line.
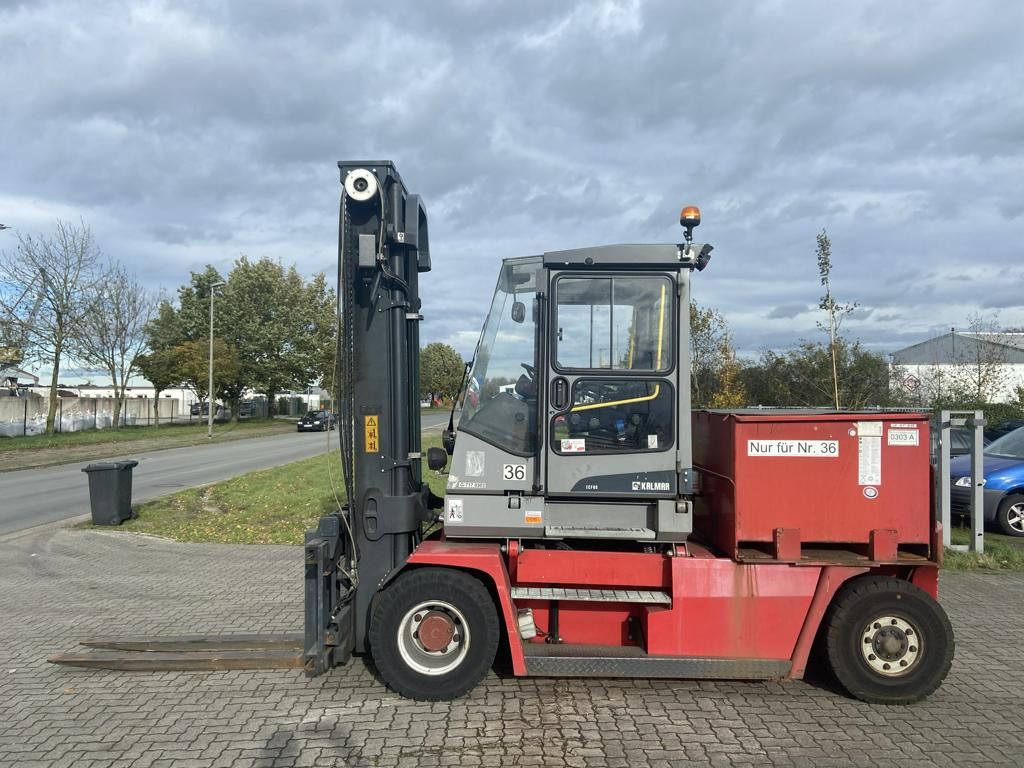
<point x="434" y="634"/>
<point x="1011" y="515"/>
<point x="888" y="641"/>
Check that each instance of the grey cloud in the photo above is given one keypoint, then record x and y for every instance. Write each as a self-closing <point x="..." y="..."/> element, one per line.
<point x="786" y="311"/>
<point x="191" y="132"/>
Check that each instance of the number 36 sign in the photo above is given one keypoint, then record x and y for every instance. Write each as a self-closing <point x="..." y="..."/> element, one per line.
<point x="514" y="472"/>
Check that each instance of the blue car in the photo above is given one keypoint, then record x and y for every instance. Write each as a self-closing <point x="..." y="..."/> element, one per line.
<point x="1003" y="494"/>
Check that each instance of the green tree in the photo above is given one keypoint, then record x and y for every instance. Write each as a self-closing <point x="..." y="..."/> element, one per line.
<point x="802" y="376"/>
<point x="714" y="371"/>
<point x="162" y="369"/>
<point x="728" y="391"/>
<point x="193" y="363"/>
<point x="281" y="327"/>
<point x="441" y="371"/>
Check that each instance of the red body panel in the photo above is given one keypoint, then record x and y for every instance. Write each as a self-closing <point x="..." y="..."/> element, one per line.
<point x="761" y="486"/>
<point x="485" y="558"/>
<point x="726" y="609"/>
<point x="720" y="608"/>
<point x="617" y="570"/>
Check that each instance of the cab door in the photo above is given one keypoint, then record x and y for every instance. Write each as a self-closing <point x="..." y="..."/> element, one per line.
<point x="611" y="395"/>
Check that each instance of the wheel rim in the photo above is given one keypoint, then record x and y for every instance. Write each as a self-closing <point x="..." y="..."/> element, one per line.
<point x="433" y="638"/>
<point x="1015" y="517"/>
<point x="891" y="645"/>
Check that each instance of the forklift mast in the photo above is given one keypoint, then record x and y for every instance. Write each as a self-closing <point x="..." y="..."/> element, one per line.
<point x="382" y="248"/>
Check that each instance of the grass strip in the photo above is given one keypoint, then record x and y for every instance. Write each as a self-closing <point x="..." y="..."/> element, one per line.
<point x="1002" y="553"/>
<point x="272" y="506"/>
<point x="195" y="430"/>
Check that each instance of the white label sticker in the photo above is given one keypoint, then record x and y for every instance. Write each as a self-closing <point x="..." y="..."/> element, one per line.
<point x="894" y="425"/>
<point x="652" y="442"/>
<point x="533" y="518"/>
<point x="514" y="472"/>
<point x="813" y="449"/>
<point x="903" y="437"/>
<point x="869" y="428"/>
<point x="574" y="445"/>
<point x="454" y="511"/>
<point x="475" y="463"/>
<point x="869" y="460"/>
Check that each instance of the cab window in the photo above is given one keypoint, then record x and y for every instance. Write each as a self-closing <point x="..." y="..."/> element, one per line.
<point x="615" y="416"/>
<point x="614" y="323"/>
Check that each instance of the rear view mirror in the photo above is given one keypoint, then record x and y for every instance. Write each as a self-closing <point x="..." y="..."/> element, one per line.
<point x="518" y="312"/>
<point x="436" y="458"/>
<point x="448" y="440"/>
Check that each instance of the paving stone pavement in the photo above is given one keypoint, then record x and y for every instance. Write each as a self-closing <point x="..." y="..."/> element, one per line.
<point x="60" y="586"/>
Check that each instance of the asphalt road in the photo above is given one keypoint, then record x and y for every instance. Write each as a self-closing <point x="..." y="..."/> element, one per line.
<point x="34" y="497"/>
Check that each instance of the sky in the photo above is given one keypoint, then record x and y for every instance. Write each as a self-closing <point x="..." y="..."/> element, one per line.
<point x="187" y="133"/>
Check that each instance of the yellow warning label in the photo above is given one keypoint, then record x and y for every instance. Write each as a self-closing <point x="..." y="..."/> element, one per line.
<point x="371" y="435"/>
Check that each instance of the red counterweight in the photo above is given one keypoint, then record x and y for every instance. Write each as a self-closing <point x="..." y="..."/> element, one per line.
<point x="828" y="487"/>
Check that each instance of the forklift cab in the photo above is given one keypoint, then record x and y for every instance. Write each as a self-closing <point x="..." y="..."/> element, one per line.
<point x="575" y="421"/>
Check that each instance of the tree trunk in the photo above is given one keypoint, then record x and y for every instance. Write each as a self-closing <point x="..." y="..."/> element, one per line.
<point x="156" y="407"/>
<point x="118" y="394"/>
<point x="233" y="402"/>
<point x="51" y="410"/>
<point x="271" y="402"/>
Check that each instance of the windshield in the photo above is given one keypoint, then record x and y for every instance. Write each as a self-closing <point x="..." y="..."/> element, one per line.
<point x="1011" y="445"/>
<point x="501" y="391"/>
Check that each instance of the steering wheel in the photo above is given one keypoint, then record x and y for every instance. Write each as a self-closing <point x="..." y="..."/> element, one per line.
<point x="530" y="370"/>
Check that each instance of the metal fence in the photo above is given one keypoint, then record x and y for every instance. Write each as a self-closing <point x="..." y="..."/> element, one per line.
<point x="26" y="416"/>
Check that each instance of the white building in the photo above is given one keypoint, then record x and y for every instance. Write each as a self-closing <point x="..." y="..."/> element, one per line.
<point x="993" y="361"/>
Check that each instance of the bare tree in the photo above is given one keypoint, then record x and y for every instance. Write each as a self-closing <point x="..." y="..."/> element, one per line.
<point x="112" y="335"/>
<point x="833" y="308"/>
<point x="979" y="359"/>
<point x="60" y="272"/>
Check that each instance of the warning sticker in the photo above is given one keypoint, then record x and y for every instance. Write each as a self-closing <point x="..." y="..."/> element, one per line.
<point x="574" y="445"/>
<point x="869" y="428"/>
<point x="869" y="460"/>
<point x="475" y="463"/>
<point x="371" y="434"/>
<point x="533" y="518"/>
<point x="454" y="511"/>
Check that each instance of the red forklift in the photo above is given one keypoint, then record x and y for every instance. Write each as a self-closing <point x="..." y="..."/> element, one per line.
<point x="594" y="525"/>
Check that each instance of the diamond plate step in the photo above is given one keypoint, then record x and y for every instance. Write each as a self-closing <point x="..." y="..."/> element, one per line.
<point x="544" y="660"/>
<point x="644" y="596"/>
<point x="565" y="532"/>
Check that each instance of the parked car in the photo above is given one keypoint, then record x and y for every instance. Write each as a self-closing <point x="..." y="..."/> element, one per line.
<point x="961" y="440"/>
<point x="994" y="433"/>
<point x="1003" y="494"/>
<point x="203" y="409"/>
<point x="317" y="421"/>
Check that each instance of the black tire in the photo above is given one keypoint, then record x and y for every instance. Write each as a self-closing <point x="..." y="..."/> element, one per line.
<point x="904" y="625"/>
<point x="398" y="652"/>
<point x="1010" y="515"/>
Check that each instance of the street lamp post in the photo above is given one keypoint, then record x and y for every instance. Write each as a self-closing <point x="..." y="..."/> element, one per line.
<point x="209" y="391"/>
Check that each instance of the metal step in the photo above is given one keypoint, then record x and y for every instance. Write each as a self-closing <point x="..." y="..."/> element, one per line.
<point x="546" y="660"/>
<point x="565" y="532"/>
<point x="643" y="596"/>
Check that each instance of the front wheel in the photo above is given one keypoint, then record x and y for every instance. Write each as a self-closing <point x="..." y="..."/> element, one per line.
<point x="434" y="634"/>
<point x="1011" y="515"/>
<point x="888" y="641"/>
